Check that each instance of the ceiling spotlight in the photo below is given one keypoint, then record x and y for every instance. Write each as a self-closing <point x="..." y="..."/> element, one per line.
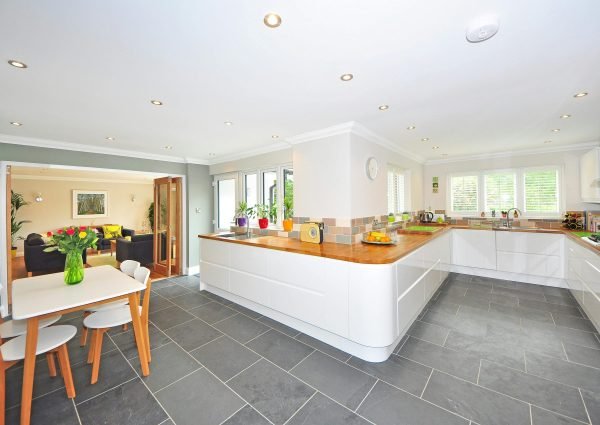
<point x="168" y="147"/>
<point x="582" y="94"/>
<point x="272" y="20"/>
<point x="156" y="102"/>
<point x="565" y="116"/>
<point x="384" y="107"/>
<point x="435" y="147"/>
<point x="16" y="124"/>
<point x="212" y="154"/>
<point x="17" y="64"/>
<point x="228" y="123"/>
<point x="275" y="136"/>
<point x="346" y="77"/>
<point x="425" y="139"/>
<point x="556" y="130"/>
<point x="547" y="141"/>
<point x="110" y="138"/>
<point x="444" y="154"/>
<point x="411" y="127"/>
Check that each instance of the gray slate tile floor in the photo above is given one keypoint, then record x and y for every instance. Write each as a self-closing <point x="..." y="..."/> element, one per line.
<point x="484" y="352"/>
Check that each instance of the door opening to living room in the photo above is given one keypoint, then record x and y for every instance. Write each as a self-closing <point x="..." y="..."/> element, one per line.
<point x="118" y="205"/>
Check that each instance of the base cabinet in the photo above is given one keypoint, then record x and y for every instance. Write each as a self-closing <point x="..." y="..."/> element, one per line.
<point x="583" y="279"/>
<point x="474" y="248"/>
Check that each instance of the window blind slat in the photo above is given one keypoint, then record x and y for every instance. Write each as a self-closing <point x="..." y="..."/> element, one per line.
<point x="541" y="191"/>
<point x="500" y="191"/>
<point x="464" y="193"/>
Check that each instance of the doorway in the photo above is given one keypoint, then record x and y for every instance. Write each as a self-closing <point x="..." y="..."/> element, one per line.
<point x="167" y="226"/>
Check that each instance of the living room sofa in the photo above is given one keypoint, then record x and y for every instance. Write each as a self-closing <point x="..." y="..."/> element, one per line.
<point x="36" y="260"/>
<point x="139" y="248"/>
<point x="104" y="243"/>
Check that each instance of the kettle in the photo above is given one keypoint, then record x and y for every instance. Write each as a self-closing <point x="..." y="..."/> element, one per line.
<point x="426" y="217"/>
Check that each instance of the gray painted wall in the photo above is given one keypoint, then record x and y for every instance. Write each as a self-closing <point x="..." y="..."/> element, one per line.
<point x="199" y="184"/>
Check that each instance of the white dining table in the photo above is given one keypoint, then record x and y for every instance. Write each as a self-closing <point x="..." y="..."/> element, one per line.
<point x="35" y="298"/>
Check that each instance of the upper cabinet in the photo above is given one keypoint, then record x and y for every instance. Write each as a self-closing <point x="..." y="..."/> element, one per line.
<point x="590" y="176"/>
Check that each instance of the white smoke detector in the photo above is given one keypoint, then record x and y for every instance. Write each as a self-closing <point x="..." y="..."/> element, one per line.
<point x="482" y="28"/>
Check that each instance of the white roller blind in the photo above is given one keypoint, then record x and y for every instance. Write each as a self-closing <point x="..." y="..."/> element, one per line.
<point x="500" y="191"/>
<point x="464" y="192"/>
<point x="396" y="192"/>
<point x="541" y="191"/>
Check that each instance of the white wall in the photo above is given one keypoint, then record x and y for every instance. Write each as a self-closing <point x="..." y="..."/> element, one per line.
<point x="265" y="160"/>
<point x="569" y="160"/>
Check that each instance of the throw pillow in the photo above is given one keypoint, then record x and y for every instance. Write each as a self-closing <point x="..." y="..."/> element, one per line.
<point x="128" y="238"/>
<point x="112" y="231"/>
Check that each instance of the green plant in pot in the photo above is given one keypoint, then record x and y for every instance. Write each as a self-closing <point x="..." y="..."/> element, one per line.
<point x="273" y="213"/>
<point x="288" y="213"/>
<point x="72" y="241"/>
<point x="243" y="214"/>
<point x="391" y="218"/>
<point x="16" y="202"/>
<point x="262" y="211"/>
<point x="151" y="215"/>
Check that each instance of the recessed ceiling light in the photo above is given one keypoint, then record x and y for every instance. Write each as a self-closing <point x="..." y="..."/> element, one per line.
<point x="411" y="127"/>
<point x="435" y="147"/>
<point x="556" y="130"/>
<point x="425" y="139"/>
<point x="444" y="154"/>
<point x="212" y="154"/>
<point x="346" y="77"/>
<point x="16" y="124"/>
<point x="228" y="123"/>
<point x="272" y="20"/>
<point x="547" y="141"/>
<point x="384" y="107"/>
<point x="168" y="147"/>
<point x="156" y="102"/>
<point x="565" y="116"/>
<point x="582" y="94"/>
<point x="17" y="64"/>
<point x="275" y="136"/>
<point x="110" y="138"/>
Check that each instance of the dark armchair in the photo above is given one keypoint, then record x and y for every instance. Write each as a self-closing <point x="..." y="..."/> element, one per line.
<point x="139" y="248"/>
<point x="36" y="260"/>
<point x="104" y="243"/>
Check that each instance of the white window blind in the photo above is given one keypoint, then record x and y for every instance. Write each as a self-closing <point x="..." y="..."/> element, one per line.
<point x="396" y="192"/>
<point x="464" y="192"/>
<point x="500" y="191"/>
<point x="541" y="191"/>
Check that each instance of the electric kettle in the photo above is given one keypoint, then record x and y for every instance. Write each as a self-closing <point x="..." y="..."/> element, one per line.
<point x="426" y="217"/>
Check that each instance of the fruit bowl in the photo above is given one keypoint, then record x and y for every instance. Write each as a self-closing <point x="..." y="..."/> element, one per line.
<point x="378" y="238"/>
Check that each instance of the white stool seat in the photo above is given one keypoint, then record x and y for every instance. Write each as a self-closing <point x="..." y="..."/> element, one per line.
<point x="48" y="339"/>
<point x="109" y="318"/>
<point x="13" y="328"/>
<point x="109" y="306"/>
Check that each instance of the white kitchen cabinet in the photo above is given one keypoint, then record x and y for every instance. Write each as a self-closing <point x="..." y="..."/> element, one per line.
<point x="474" y="248"/>
<point x="529" y="242"/>
<point x="530" y="264"/>
<point x="589" y="172"/>
<point x="583" y="279"/>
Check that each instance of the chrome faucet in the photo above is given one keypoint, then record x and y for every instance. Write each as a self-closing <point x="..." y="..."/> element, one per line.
<point x="508" y="216"/>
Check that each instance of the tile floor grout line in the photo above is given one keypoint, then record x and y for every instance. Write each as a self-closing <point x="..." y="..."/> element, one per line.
<point x="298" y="364"/>
<point x="479" y="371"/>
<point x="76" y="411"/>
<point x="300" y="408"/>
<point x="584" y="405"/>
<point x="144" y="383"/>
<point x="426" y="383"/>
<point x="366" y="395"/>
<point x="237" y="313"/>
<point x="313" y="350"/>
<point x="206" y="343"/>
<point x="525" y="359"/>
<point x="233" y="414"/>
<point x="242" y="371"/>
<point x="530" y="415"/>
<point x="105" y="391"/>
<point x="562" y="344"/>
<point x="258" y="336"/>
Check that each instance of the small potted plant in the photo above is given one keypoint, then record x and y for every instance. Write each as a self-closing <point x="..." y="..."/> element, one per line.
<point x="16" y="202"/>
<point x="243" y="214"/>
<point x="72" y="241"/>
<point x="391" y="218"/>
<point x="288" y="213"/>
<point x="273" y="213"/>
<point x="262" y="211"/>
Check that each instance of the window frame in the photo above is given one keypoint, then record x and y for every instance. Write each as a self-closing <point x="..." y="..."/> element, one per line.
<point x="483" y="185"/>
<point x="449" y="211"/>
<point x="406" y="174"/>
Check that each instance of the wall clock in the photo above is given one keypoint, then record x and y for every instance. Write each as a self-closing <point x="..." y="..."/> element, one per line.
<point x="372" y="168"/>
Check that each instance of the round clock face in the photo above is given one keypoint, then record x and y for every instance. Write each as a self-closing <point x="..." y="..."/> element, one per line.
<point x="372" y="168"/>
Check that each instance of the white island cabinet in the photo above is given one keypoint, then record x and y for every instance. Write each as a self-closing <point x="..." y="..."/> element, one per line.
<point x="583" y="279"/>
<point x="363" y="309"/>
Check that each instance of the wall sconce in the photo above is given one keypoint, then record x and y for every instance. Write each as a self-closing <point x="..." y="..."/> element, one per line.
<point x="132" y="198"/>
<point x="39" y="198"/>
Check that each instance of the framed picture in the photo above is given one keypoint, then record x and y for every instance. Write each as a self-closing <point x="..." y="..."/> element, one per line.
<point x="90" y="204"/>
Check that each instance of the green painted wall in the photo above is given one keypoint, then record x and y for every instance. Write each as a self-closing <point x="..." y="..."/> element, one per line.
<point x="199" y="184"/>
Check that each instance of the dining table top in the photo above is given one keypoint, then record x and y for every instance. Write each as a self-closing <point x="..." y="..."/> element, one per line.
<point x="47" y="294"/>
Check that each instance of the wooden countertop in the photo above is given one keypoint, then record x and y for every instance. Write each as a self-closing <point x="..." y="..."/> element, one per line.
<point x="371" y="254"/>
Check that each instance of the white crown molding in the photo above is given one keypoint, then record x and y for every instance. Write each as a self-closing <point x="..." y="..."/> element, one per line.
<point x="79" y="179"/>
<point x="53" y="144"/>
<point x="534" y="151"/>
<point x="353" y="127"/>
<point x="250" y="153"/>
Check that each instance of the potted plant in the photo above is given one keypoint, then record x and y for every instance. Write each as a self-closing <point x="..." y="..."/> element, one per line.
<point x="72" y="241"/>
<point x="243" y="214"/>
<point x="150" y="216"/>
<point x="262" y="211"/>
<point x="391" y="218"/>
<point x="288" y="213"/>
<point x="273" y="213"/>
<point x="16" y="202"/>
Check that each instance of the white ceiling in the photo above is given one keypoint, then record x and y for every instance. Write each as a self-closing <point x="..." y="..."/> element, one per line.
<point x="95" y="66"/>
<point x="81" y="174"/>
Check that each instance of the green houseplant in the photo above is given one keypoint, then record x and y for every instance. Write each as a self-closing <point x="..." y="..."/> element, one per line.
<point x="72" y="241"/>
<point x="16" y="202"/>
<point x="243" y="214"/>
<point x="262" y="211"/>
<point x="150" y="215"/>
<point x="288" y="213"/>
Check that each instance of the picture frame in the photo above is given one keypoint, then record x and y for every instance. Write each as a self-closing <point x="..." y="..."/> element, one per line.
<point x="90" y="203"/>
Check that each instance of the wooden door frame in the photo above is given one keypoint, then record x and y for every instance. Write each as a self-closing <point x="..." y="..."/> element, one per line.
<point x="169" y="268"/>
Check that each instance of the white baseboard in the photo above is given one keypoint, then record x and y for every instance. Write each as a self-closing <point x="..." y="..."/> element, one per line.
<point x="192" y="270"/>
<point x="517" y="277"/>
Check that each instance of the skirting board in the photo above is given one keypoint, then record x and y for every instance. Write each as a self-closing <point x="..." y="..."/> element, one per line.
<point x="192" y="270"/>
<point x="517" y="277"/>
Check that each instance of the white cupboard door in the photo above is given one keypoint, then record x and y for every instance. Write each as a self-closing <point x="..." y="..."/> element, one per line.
<point x="531" y="264"/>
<point x="214" y="275"/>
<point x="529" y="243"/>
<point x="215" y="252"/>
<point x="409" y="305"/>
<point x="474" y="248"/>
<point x="409" y="270"/>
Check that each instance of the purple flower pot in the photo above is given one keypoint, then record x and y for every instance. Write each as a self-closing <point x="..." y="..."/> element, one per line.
<point x="241" y="221"/>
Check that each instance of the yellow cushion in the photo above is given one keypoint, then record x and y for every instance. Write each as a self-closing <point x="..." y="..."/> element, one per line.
<point x="128" y="238"/>
<point x="112" y="231"/>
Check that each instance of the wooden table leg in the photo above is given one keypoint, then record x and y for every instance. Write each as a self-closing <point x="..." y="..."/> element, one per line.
<point x="139" y="333"/>
<point x="29" y="369"/>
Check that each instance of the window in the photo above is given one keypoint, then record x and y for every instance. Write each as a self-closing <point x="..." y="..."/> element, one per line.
<point x="225" y="189"/>
<point x="269" y="194"/>
<point x="541" y="191"/>
<point x="396" y="191"/>
<point x="464" y="194"/>
<point x="288" y="188"/>
<point x="251" y="190"/>
<point x="534" y="191"/>
<point x="500" y="191"/>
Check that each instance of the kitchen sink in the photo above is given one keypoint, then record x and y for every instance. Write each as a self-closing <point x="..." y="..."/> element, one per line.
<point x="234" y="236"/>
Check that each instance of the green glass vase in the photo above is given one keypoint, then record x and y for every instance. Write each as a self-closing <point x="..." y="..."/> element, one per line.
<point x="73" y="268"/>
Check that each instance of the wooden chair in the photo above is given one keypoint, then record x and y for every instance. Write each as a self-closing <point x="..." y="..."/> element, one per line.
<point x="14" y="328"/>
<point x="128" y="267"/>
<point x="51" y="340"/>
<point x="102" y="321"/>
